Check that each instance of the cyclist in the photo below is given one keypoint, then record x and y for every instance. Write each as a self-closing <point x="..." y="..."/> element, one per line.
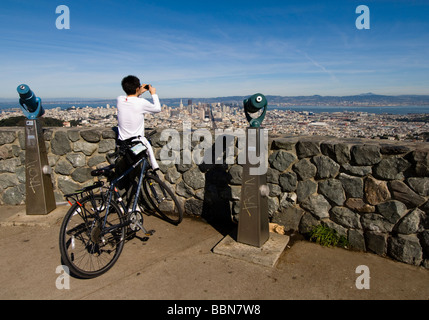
<point x="131" y="111"/>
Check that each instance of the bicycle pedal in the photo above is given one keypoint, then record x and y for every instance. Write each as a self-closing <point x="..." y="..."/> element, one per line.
<point x="150" y="232"/>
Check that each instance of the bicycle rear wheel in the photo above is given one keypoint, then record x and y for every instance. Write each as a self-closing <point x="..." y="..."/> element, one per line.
<point x="84" y="249"/>
<point x="160" y="199"/>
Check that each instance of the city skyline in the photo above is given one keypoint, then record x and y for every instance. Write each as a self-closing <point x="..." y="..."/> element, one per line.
<point x="367" y="123"/>
<point x="198" y="49"/>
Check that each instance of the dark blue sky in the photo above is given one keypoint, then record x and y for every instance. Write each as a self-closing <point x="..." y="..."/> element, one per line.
<point x="215" y="48"/>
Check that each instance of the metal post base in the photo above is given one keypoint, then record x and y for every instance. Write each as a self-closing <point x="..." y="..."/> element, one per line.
<point x="253" y="228"/>
<point x="40" y="199"/>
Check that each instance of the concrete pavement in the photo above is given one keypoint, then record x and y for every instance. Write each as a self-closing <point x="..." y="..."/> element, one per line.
<point x="177" y="263"/>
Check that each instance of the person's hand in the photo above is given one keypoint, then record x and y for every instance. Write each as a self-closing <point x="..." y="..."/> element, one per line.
<point x="142" y="89"/>
<point x="152" y="90"/>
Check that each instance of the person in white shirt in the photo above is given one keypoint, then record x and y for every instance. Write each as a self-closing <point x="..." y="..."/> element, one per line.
<point x="131" y="111"/>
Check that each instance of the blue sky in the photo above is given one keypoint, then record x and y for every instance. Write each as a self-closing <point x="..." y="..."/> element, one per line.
<point x="214" y="48"/>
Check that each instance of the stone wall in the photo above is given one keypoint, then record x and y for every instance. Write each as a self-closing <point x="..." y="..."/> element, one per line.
<point x="374" y="192"/>
<point x="71" y="154"/>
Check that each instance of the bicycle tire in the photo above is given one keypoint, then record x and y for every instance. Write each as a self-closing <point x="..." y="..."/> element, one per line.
<point x="83" y="251"/>
<point x="160" y="199"/>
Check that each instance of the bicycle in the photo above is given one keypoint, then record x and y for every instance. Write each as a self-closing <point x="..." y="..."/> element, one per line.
<point x="94" y="229"/>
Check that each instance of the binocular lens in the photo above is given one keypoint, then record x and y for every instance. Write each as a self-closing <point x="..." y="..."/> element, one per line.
<point x="28" y="99"/>
<point x="255" y="103"/>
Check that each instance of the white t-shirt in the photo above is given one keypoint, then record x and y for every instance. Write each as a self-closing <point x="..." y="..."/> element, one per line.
<point x="131" y="112"/>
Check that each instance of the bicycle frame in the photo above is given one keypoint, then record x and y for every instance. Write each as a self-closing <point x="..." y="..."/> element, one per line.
<point x="113" y="190"/>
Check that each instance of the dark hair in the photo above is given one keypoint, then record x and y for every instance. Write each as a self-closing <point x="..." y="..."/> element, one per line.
<point x="130" y="84"/>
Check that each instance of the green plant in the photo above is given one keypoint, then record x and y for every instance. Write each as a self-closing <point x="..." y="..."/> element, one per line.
<point x="326" y="236"/>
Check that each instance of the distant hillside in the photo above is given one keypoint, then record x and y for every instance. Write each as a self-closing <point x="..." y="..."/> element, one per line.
<point x="316" y="100"/>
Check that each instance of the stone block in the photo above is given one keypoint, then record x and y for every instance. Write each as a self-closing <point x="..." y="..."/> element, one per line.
<point x="290" y="218"/>
<point x="391" y="168"/>
<point x="366" y="155"/>
<point x="332" y="189"/>
<point x="376" y="191"/>
<point x="376" y="242"/>
<point x="305" y="149"/>
<point x="288" y="181"/>
<point x="82" y="174"/>
<point x="376" y="222"/>
<point x="7" y="137"/>
<point x="357" y="204"/>
<point x="326" y="167"/>
<point x="421" y="159"/>
<point x="281" y="160"/>
<point x="410" y="223"/>
<point x="393" y="149"/>
<point x="392" y="210"/>
<point x="340" y="152"/>
<point x="305" y="169"/>
<point x="76" y="159"/>
<point x="86" y="147"/>
<point x="345" y="217"/>
<point x="92" y="135"/>
<point x="14" y="195"/>
<point x="360" y="171"/>
<point x="340" y="230"/>
<point x="401" y="192"/>
<point x="420" y="185"/>
<point x="288" y="199"/>
<point x="305" y="189"/>
<point x="356" y="239"/>
<point x="60" y="144"/>
<point x="194" y="207"/>
<point x="106" y="145"/>
<point x="353" y="186"/>
<point x="283" y="143"/>
<point x="317" y="205"/>
<point x="308" y="222"/>
<point x="406" y="248"/>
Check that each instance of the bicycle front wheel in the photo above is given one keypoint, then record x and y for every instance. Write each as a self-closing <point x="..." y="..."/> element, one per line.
<point x="160" y="199"/>
<point x="85" y="249"/>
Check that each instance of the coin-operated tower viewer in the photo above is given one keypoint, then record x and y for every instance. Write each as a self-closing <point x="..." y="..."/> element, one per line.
<point x="253" y="227"/>
<point x="40" y="199"/>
